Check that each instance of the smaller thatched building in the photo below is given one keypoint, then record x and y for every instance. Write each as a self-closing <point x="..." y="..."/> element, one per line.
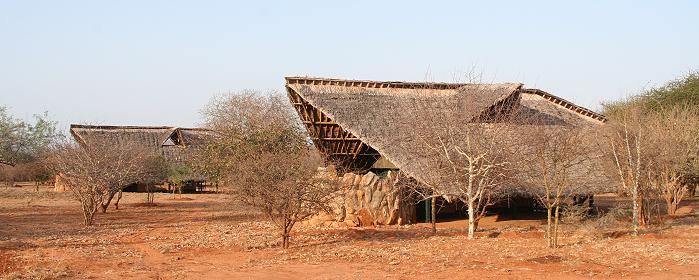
<point x="174" y="144"/>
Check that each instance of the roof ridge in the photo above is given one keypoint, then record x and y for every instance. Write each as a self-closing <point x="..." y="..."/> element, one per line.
<point x="119" y="126"/>
<point x="380" y="84"/>
<point x="195" y="128"/>
<point x="137" y="127"/>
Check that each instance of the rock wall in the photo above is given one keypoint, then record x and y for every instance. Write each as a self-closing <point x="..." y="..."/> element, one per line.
<point x="368" y="200"/>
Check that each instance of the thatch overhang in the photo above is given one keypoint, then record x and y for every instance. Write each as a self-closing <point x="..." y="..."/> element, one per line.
<point x="356" y="122"/>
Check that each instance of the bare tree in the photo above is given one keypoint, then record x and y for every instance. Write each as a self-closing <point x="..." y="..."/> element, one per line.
<point x="95" y="172"/>
<point x="464" y="153"/>
<point x="630" y="150"/>
<point x="674" y="139"/>
<point x="557" y="162"/>
<point x="263" y="154"/>
<point x="473" y="167"/>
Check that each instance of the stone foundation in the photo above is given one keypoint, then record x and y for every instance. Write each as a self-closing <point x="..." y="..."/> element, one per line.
<point x="368" y="200"/>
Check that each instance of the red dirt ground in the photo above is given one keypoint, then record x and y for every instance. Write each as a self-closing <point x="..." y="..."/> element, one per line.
<point x="209" y="237"/>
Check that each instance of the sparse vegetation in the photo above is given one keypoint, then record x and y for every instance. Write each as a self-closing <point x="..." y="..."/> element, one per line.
<point x="654" y="144"/>
<point x="556" y="164"/>
<point x="268" y="163"/>
<point x="96" y="172"/>
<point x="22" y="145"/>
<point x="274" y="180"/>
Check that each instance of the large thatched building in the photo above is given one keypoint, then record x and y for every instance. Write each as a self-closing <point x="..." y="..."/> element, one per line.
<point x="371" y="127"/>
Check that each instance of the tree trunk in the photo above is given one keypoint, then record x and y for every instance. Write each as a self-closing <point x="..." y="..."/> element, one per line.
<point x="691" y="190"/>
<point x="644" y="208"/>
<point x="672" y="208"/>
<point x="434" y="215"/>
<point x="150" y="196"/>
<point x="670" y="203"/>
<point x="285" y="236"/>
<point x="471" y="219"/>
<point x="636" y="209"/>
<point x="88" y="214"/>
<point x="87" y="219"/>
<point x="555" y="228"/>
<point x="106" y="203"/>
<point x="548" y="225"/>
<point x="116" y="203"/>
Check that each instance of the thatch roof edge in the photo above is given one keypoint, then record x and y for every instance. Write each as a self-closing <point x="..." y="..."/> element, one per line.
<point x="567" y="104"/>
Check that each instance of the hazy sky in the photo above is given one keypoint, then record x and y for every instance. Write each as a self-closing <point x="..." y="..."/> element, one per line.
<point x="159" y="62"/>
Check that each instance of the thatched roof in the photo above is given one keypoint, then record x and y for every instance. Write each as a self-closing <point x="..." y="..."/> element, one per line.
<point x="170" y="142"/>
<point x="358" y="122"/>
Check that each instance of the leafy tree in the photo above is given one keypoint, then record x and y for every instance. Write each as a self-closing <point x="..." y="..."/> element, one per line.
<point x="179" y="175"/>
<point x="22" y="142"/>
<point x="683" y="91"/>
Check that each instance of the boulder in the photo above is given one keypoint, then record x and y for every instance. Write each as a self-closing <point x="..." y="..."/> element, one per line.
<point x="365" y="218"/>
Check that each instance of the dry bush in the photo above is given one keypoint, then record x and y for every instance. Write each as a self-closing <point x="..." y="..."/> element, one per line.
<point x="287" y="188"/>
<point x="603" y="225"/>
<point x="573" y="214"/>
<point x="95" y="172"/>
<point x="262" y="154"/>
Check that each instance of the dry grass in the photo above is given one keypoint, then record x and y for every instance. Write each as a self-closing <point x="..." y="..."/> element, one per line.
<point x="40" y="273"/>
<point x="212" y="237"/>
